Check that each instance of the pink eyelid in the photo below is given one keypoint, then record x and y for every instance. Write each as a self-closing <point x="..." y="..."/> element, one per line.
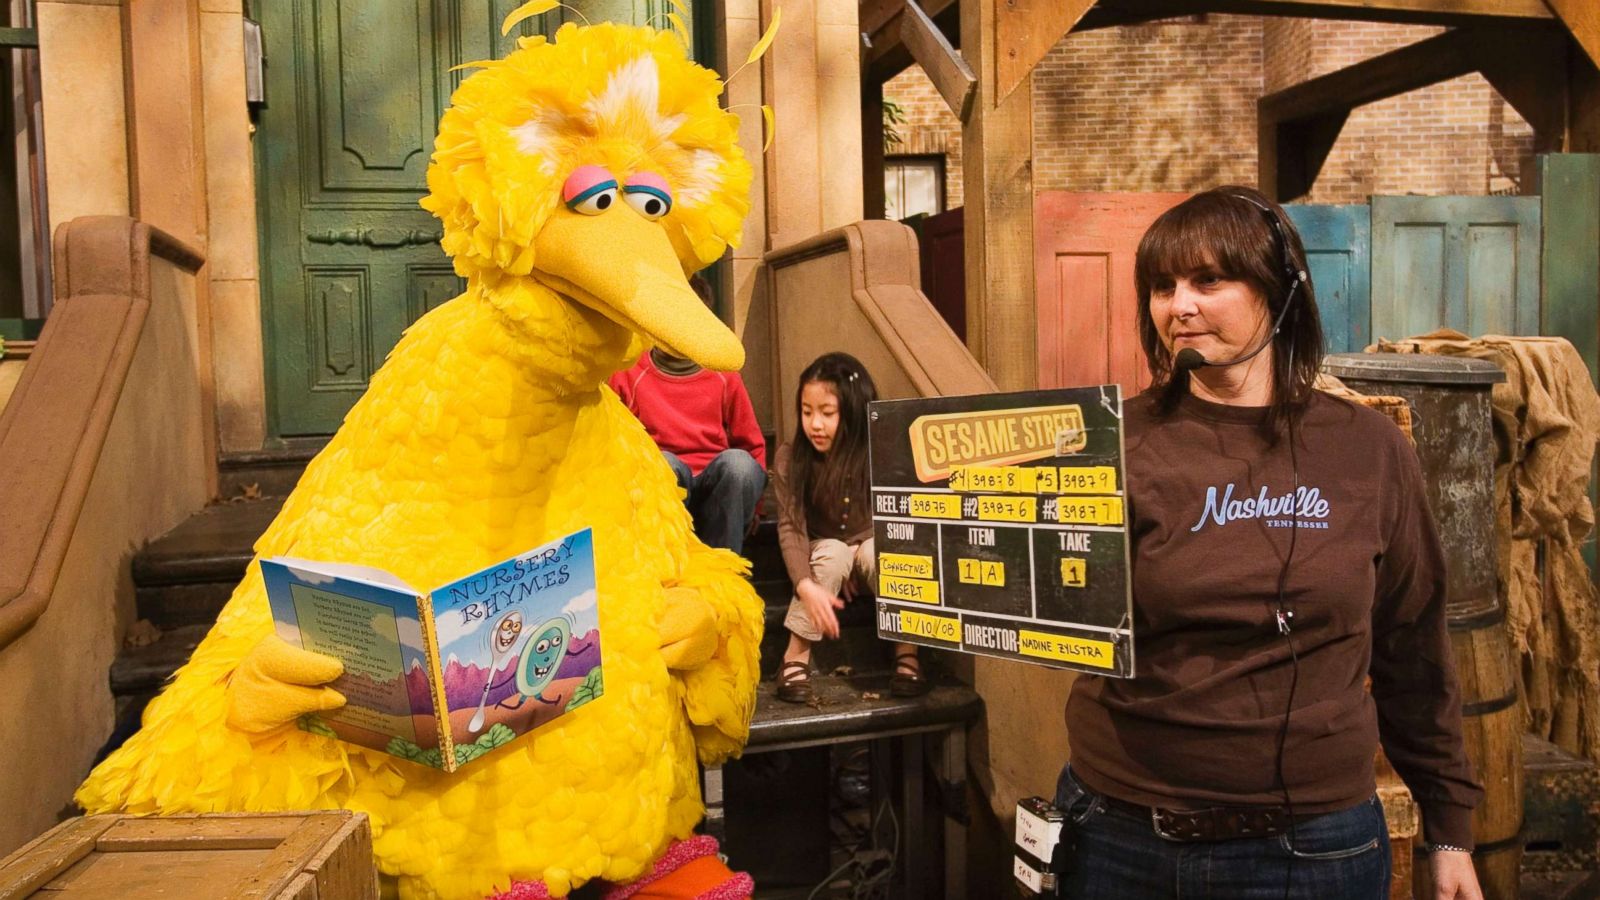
<point x="649" y="180"/>
<point x="582" y="179"/>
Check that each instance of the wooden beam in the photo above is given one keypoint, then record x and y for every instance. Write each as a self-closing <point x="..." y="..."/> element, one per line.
<point x="1297" y="126"/>
<point x="946" y="69"/>
<point x="1426" y="62"/>
<point x="1582" y="18"/>
<point x="1292" y="153"/>
<point x="1531" y="74"/>
<point x="997" y="169"/>
<point x="885" y="53"/>
<point x="1027" y="29"/>
<point x="872" y="187"/>
<point x="1583" y="104"/>
<point x="1421" y="12"/>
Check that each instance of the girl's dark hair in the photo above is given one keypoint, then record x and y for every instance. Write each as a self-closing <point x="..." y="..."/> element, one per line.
<point x="1227" y="230"/>
<point x="843" y="472"/>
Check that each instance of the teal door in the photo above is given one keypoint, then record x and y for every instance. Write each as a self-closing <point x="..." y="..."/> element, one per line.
<point x="355" y="89"/>
<point x="1468" y="263"/>
<point x="1338" y="240"/>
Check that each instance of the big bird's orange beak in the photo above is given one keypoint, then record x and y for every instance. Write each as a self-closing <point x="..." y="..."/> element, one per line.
<point x="622" y="265"/>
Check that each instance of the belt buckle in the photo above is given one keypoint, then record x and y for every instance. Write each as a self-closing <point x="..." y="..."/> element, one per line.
<point x="1170" y="824"/>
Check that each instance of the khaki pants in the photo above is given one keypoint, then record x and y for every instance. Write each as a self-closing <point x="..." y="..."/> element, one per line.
<point x="831" y="563"/>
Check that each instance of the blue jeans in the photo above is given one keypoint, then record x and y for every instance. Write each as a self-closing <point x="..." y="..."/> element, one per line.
<point x="1115" y="855"/>
<point x="723" y="497"/>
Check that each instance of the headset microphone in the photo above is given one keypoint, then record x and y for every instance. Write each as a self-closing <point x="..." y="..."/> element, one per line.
<point x="1189" y="359"/>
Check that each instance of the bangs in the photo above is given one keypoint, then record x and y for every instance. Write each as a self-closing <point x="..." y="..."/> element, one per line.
<point x="1205" y="233"/>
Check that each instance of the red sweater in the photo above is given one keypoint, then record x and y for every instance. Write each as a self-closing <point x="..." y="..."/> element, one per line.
<point x="693" y="417"/>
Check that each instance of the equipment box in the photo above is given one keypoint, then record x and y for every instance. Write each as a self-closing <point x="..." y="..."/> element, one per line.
<point x="271" y="856"/>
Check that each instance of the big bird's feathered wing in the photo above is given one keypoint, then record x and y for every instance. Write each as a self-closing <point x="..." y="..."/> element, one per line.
<point x="488" y="431"/>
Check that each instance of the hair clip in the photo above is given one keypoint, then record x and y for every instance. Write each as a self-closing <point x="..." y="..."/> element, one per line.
<point x="852" y="376"/>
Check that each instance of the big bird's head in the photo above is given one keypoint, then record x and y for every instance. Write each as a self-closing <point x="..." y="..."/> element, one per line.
<point x="600" y="166"/>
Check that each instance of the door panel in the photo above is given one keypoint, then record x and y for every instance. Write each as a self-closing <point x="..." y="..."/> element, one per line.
<point x="1571" y="218"/>
<point x="944" y="269"/>
<point x="1338" y="257"/>
<point x="1570" y="190"/>
<point x="355" y="89"/>
<point x="1084" y="246"/>
<point x="1468" y="263"/>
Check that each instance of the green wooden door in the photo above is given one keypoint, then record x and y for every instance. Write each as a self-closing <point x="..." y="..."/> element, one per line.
<point x="1468" y="263"/>
<point x="355" y="89"/>
<point x="1570" y="186"/>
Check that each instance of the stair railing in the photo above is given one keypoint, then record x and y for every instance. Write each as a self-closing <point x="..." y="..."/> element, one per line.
<point x="858" y="289"/>
<point x="111" y="319"/>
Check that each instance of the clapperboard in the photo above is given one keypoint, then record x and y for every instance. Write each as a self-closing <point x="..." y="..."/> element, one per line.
<point x="1000" y="525"/>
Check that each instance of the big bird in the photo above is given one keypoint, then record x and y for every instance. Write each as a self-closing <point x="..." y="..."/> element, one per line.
<point x="578" y="180"/>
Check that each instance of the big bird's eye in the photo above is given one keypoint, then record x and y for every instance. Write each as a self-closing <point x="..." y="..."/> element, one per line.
<point x="589" y="190"/>
<point x="648" y="194"/>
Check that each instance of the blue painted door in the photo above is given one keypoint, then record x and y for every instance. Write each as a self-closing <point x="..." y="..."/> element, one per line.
<point x="1468" y="263"/>
<point x="1338" y="242"/>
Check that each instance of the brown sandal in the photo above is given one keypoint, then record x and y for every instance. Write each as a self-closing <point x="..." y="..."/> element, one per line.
<point x="908" y="680"/>
<point x="794" y="682"/>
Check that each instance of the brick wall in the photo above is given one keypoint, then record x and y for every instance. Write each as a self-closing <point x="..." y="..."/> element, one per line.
<point x="1171" y="106"/>
<point x="1158" y="107"/>
<point x="930" y="127"/>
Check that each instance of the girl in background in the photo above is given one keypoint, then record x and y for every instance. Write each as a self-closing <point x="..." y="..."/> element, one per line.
<point x="825" y="519"/>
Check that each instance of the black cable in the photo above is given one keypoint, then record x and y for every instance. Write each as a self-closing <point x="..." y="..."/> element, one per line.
<point x="1285" y="622"/>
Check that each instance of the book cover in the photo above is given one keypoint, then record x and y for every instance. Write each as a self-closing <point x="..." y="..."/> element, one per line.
<point x="500" y="652"/>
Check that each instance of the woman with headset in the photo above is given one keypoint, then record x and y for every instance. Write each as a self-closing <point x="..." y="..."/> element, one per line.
<point x="1282" y="551"/>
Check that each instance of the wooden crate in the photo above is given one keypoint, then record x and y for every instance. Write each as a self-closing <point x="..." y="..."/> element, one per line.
<point x="1400" y="815"/>
<point x="265" y="856"/>
<point x="1561" y="809"/>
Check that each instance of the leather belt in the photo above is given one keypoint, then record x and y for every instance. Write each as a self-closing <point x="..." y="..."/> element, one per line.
<point x="1218" y="823"/>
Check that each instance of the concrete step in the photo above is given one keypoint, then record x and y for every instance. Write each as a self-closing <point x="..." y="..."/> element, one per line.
<point x="185" y="576"/>
<point x="144" y="670"/>
<point x="266" y="473"/>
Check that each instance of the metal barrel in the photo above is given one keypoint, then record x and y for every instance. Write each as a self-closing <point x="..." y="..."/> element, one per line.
<point x="1454" y="433"/>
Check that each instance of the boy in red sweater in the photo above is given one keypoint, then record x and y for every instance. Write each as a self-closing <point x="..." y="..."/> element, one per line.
<point x="706" y="428"/>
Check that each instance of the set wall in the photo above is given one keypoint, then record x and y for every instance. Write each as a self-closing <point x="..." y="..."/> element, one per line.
<point x="10" y="374"/>
<point x="57" y="700"/>
<point x="232" y="266"/>
<point x="1170" y="106"/>
<point x="84" y="109"/>
<point x="145" y="115"/>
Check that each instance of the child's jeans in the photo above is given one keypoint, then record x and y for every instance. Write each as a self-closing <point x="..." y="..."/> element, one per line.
<point x="831" y="563"/>
<point x="723" y="497"/>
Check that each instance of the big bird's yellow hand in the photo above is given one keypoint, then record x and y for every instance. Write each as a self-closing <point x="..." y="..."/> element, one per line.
<point x="276" y="684"/>
<point x="688" y="630"/>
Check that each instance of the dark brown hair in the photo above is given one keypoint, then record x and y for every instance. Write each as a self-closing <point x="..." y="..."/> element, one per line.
<point x="702" y="289"/>
<point x="1229" y="230"/>
<point x="843" y="471"/>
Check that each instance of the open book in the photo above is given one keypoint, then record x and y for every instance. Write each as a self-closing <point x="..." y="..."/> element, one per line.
<point x="499" y="652"/>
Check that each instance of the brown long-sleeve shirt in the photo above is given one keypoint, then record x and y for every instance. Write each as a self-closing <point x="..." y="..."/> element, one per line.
<point x="801" y="523"/>
<point x="1210" y="527"/>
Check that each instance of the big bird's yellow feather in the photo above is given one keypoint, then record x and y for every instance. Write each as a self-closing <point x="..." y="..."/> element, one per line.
<point x="487" y="432"/>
